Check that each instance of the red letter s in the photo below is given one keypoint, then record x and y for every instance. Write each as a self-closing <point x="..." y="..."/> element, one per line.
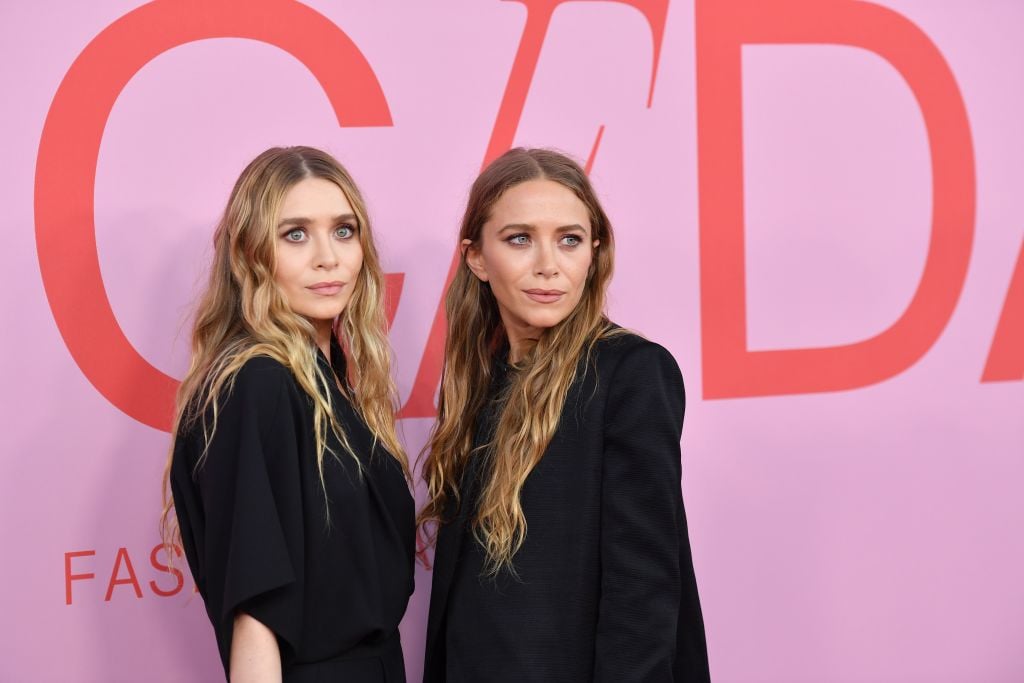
<point x="167" y="569"/>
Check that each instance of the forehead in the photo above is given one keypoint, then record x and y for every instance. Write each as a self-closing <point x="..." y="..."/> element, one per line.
<point x="541" y="203"/>
<point x="314" y="197"/>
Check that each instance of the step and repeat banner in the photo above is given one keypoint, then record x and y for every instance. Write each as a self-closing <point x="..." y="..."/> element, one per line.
<point x="818" y="211"/>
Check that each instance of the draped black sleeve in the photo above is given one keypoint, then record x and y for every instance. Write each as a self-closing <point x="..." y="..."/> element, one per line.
<point x="241" y="515"/>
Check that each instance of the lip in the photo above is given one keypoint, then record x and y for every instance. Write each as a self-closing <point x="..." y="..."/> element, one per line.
<point x="326" y="288"/>
<point x="544" y="296"/>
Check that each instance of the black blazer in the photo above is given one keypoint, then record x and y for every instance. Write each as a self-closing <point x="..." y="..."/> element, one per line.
<point x="605" y="588"/>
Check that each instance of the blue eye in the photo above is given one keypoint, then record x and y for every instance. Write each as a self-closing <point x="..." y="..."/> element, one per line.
<point x="519" y="240"/>
<point x="344" y="231"/>
<point x="296" y="235"/>
<point x="572" y="240"/>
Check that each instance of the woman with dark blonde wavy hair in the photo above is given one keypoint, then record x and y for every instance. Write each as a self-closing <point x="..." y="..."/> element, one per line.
<point x="286" y="484"/>
<point x="554" y="469"/>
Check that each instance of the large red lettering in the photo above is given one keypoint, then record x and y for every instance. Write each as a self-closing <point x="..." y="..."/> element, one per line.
<point x="538" y="19"/>
<point x="723" y="26"/>
<point x="68" y="150"/>
<point x="1006" y="357"/>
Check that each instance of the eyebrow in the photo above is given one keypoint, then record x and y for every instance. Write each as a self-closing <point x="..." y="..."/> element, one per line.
<point x="302" y="221"/>
<point x="529" y="228"/>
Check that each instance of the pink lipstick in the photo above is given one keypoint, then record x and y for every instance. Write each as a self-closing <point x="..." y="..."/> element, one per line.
<point x="544" y="296"/>
<point x="326" y="288"/>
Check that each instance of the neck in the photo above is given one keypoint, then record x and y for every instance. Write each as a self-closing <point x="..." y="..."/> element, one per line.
<point x="521" y="338"/>
<point x="323" y="336"/>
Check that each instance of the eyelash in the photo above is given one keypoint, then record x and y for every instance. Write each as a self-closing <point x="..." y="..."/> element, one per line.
<point x="511" y="240"/>
<point x="350" y="228"/>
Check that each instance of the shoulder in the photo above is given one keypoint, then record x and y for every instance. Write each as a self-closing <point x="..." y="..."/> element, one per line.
<point x="254" y="418"/>
<point x="629" y="357"/>
<point x="259" y="387"/>
<point x="630" y="369"/>
<point x="262" y="375"/>
<point x="644" y="386"/>
<point x="263" y="371"/>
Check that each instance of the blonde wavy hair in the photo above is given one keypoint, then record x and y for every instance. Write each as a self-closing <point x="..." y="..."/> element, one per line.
<point x="243" y="314"/>
<point x="533" y="402"/>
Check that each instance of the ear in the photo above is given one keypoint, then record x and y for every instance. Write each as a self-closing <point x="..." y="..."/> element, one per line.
<point x="595" y="244"/>
<point x="474" y="259"/>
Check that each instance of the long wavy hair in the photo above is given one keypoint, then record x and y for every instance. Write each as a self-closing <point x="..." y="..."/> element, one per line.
<point x="243" y="314"/>
<point x="533" y="402"/>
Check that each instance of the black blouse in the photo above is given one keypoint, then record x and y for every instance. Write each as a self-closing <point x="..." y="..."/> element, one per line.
<point x="605" y="588"/>
<point x="258" y="539"/>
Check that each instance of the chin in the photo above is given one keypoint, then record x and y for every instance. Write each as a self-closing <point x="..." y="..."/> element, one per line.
<point x="318" y="313"/>
<point x="547" y="319"/>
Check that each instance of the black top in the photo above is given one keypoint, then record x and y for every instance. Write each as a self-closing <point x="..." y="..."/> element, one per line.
<point x="605" y="588"/>
<point x="254" y="526"/>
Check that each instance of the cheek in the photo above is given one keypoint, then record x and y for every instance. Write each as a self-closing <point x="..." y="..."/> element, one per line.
<point x="579" y="268"/>
<point x="504" y="270"/>
<point x="285" y="270"/>
<point x="355" y="260"/>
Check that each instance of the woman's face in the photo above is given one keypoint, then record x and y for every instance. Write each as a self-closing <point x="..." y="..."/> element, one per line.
<point x="318" y="251"/>
<point x="535" y="251"/>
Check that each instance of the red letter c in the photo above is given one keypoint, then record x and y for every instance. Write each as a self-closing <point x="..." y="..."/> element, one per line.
<point x="68" y="150"/>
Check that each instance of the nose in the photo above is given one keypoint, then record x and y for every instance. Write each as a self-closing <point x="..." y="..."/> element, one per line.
<point x="545" y="265"/>
<point x="324" y="256"/>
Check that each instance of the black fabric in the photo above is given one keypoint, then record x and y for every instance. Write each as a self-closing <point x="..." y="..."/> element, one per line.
<point x="605" y="588"/>
<point x="255" y="531"/>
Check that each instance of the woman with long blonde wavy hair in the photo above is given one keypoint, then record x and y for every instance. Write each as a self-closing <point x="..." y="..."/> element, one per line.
<point x="286" y="485"/>
<point x="553" y="472"/>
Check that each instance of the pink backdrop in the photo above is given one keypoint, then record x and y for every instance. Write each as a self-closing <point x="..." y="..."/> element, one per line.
<point x="844" y="533"/>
